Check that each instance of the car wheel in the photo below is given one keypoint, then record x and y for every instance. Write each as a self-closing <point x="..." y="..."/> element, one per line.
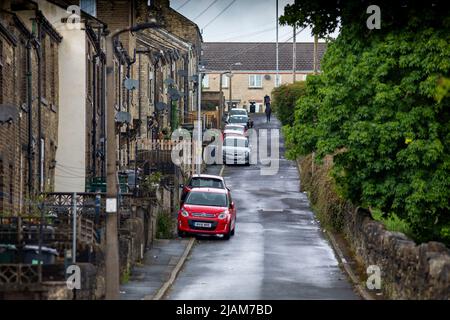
<point x="181" y="234"/>
<point x="227" y="235"/>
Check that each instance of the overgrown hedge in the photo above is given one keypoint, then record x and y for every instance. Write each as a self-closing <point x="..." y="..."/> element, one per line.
<point x="284" y="99"/>
<point x="382" y="108"/>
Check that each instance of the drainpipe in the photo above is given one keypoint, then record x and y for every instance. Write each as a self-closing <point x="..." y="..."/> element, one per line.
<point x="39" y="55"/>
<point x="129" y="64"/>
<point x="94" y="114"/>
<point x="30" y="119"/>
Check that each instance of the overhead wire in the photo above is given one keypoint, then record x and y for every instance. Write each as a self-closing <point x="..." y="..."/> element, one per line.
<point x="220" y="13"/>
<point x="183" y="5"/>
<point x="206" y="9"/>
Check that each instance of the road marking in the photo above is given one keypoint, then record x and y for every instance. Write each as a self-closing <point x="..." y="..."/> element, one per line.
<point x="221" y="171"/>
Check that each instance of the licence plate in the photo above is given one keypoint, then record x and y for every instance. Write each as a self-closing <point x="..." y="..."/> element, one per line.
<point x="202" y="224"/>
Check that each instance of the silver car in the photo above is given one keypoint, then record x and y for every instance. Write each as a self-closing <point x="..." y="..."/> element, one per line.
<point x="236" y="150"/>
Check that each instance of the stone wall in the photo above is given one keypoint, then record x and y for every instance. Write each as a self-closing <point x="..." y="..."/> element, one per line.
<point x="408" y="270"/>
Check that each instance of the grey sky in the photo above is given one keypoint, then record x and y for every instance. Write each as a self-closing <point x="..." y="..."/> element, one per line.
<point x="244" y="20"/>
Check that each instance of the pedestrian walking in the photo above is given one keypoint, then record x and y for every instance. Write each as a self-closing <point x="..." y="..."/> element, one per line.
<point x="268" y="112"/>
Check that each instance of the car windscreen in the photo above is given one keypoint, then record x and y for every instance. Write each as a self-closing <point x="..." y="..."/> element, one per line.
<point x="238" y="112"/>
<point x="206" y="183"/>
<point x="238" y="119"/>
<point x="230" y="142"/>
<point x="207" y="199"/>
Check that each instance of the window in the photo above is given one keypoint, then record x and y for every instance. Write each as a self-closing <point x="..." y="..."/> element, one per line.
<point x="41" y="165"/>
<point x="44" y="68"/>
<point x="89" y="6"/>
<point x="205" y="82"/>
<point x="53" y="95"/>
<point x="2" y="194"/>
<point x="225" y="81"/>
<point x="1" y="71"/>
<point x="149" y="84"/>
<point x="255" y="81"/>
<point x="277" y="80"/>
<point x="11" y="185"/>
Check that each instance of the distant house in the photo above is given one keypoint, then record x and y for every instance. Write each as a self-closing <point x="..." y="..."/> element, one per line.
<point x="253" y="68"/>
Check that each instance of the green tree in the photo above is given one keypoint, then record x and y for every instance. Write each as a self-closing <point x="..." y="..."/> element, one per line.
<point x="284" y="98"/>
<point x="381" y="107"/>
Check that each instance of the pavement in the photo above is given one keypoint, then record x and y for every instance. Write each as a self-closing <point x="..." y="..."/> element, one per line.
<point x="279" y="250"/>
<point x="158" y="265"/>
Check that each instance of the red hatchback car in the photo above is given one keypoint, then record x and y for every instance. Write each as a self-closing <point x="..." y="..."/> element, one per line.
<point x="207" y="211"/>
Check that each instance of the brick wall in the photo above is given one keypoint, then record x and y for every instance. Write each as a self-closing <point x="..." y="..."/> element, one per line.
<point x="14" y="138"/>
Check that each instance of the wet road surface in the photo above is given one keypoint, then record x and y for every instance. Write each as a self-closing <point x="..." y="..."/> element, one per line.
<point x="278" y="251"/>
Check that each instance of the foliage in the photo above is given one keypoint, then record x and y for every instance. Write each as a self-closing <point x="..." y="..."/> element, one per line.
<point x="392" y="222"/>
<point x="174" y="118"/>
<point x="381" y="107"/>
<point x="151" y="182"/>
<point x="325" y="16"/>
<point x="165" y="226"/>
<point x="284" y="98"/>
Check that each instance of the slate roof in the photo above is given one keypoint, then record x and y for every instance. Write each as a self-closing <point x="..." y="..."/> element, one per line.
<point x="255" y="56"/>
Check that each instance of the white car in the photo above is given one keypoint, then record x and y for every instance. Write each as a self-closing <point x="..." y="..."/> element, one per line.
<point x="234" y="129"/>
<point x="236" y="150"/>
<point x="238" y="112"/>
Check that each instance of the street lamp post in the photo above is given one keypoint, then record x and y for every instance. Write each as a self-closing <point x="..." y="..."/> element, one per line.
<point x="222" y="101"/>
<point x="112" y="240"/>
<point x="199" y="126"/>
<point x="231" y="75"/>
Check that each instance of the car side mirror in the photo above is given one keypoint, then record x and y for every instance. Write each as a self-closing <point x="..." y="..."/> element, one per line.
<point x="232" y="205"/>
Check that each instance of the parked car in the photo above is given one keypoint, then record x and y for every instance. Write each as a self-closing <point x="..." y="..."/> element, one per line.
<point x="202" y="181"/>
<point x="239" y="119"/>
<point x="236" y="149"/>
<point x="234" y="129"/>
<point x="207" y="211"/>
<point x="238" y="112"/>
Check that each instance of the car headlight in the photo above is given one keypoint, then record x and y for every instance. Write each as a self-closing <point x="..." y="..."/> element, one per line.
<point x="223" y="215"/>
<point x="184" y="213"/>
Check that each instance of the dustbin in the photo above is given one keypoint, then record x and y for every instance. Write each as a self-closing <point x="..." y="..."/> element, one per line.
<point x="31" y="255"/>
<point x="8" y="253"/>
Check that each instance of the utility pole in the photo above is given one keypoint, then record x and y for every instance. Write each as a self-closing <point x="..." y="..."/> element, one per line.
<point x="315" y="53"/>
<point x="277" y="75"/>
<point x="294" y="55"/>
<point x="199" y="125"/>
<point x="112" y="238"/>
<point x="230" y="89"/>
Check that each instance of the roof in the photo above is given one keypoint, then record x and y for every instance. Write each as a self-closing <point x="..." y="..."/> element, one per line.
<point x="255" y="56"/>
<point x="210" y="176"/>
<point x="209" y="190"/>
<point x="237" y="137"/>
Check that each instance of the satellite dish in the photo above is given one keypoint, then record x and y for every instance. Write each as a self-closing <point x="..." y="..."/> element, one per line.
<point x="182" y="73"/>
<point x="131" y="84"/>
<point x="8" y="113"/>
<point x="160" y="106"/>
<point x="174" y="94"/>
<point x="169" y="81"/>
<point x="123" y="117"/>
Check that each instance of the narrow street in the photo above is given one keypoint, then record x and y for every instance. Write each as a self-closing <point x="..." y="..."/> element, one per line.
<point x="279" y="250"/>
